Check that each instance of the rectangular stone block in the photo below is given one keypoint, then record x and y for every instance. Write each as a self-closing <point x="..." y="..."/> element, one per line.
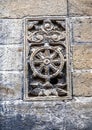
<point x="82" y="30"/>
<point x="11" y="57"/>
<point x="46" y="40"/>
<point x="11" y="31"/>
<point x="82" y="57"/>
<point x="10" y="85"/>
<point x="82" y="84"/>
<point x="70" y="115"/>
<point x="80" y="7"/>
<point x="18" y="115"/>
<point x="21" y="8"/>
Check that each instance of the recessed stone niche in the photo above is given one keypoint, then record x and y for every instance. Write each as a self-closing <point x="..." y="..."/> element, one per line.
<point x="47" y="65"/>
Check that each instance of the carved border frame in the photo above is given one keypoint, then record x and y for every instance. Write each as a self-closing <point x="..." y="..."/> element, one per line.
<point x="26" y="49"/>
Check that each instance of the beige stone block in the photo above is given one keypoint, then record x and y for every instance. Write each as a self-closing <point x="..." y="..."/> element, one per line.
<point x="10" y="85"/>
<point x="80" y="7"/>
<point x="82" y="30"/>
<point x="82" y="84"/>
<point x="82" y="57"/>
<point x="21" y="8"/>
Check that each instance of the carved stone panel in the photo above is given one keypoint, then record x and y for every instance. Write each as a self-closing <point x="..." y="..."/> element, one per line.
<point x="46" y="59"/>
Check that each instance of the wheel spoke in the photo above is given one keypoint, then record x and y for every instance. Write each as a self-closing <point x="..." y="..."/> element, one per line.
<point x="41" y="67"/>
<point x="40" y="55"/>
<point x="47" y="52"/>
<point x="56" y="61"/>
<point x="46" y="70"/>
<point x="36" y="61"/>
<point x="52" y="66"/>
<point x="53" y="55"/>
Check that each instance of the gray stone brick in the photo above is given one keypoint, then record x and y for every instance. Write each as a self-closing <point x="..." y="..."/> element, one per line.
<point x="11" y="85"/>
<point x="11" y="31"/>
<point x="11" y="57"/>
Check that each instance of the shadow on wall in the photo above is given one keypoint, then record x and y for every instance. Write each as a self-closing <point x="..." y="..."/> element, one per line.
<point x="29" y="122"/>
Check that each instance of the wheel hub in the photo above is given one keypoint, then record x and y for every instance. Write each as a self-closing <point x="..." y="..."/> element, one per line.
<point x="46" y="61"/>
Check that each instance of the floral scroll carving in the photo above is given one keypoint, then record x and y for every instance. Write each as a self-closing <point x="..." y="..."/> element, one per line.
<point x="46" y="58"/>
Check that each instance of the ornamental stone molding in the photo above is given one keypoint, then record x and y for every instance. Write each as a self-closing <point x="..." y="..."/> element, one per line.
<point x="47" y="74"/>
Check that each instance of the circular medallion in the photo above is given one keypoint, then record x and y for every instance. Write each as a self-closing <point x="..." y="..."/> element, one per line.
<point x="47" y="62"/>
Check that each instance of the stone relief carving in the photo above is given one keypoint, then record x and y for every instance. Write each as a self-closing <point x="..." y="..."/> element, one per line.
<point x="47" y="60"/>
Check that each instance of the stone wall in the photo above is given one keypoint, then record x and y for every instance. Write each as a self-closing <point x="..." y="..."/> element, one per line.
<point x="17" y="114"/>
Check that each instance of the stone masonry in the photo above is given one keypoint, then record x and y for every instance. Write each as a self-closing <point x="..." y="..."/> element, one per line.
<point x="70" y="114"/>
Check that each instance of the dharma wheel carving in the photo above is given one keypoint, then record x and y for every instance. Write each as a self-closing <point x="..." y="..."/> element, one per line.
<point x="46" y="62"/>
<point x="46" y="59"/>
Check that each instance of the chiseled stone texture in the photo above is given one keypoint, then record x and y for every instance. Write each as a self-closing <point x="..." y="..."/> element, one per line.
<point x="82" y="57"/>
<point x="11" y="57"/>
<point x="11" y="31"/>
<point x="82" y="84"/>
<point x="82" y="30"/>
<point x="21" y="8"/>
<point x="80" y="7"/>
<point x="10" y="85"/>
<point x="70" y="115"/>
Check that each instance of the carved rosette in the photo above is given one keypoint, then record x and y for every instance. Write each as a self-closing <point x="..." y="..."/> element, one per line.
<point x="47" y="60"/>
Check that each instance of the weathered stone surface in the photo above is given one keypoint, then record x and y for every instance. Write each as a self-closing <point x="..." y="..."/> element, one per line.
<point x="82" y="57"/>
<point x="10" y="85"/>
<point x="82" y="84"/>
<point x="11" y="57"/>
<point x="43" y="35"/>
<point x="71" y="115"/>
<point x="32" y="116"/>
<point x="79" y="114"/>
<point x="80" y="7"/>
<point x="16" y="114"/>
<point x="82" y="30"/>
<point x="17" y="9"/>
<point x="11" y="31"/>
